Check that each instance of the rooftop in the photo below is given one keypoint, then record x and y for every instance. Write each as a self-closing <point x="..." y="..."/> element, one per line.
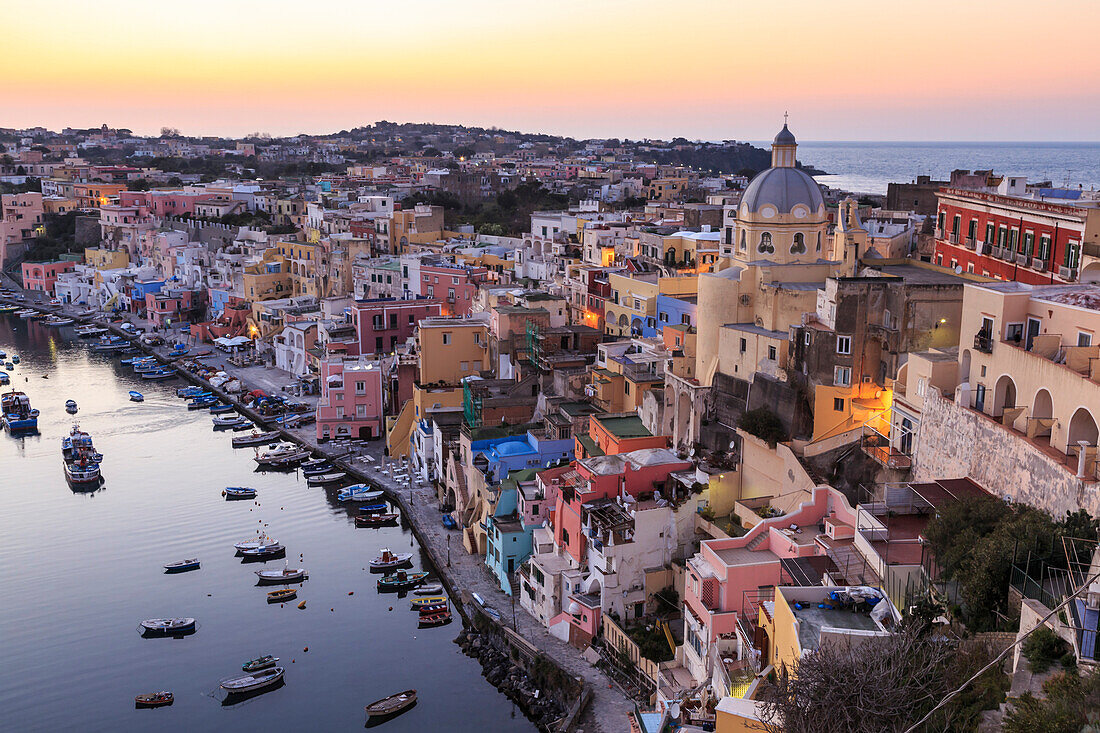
<point x="811" y="621"/>
<point x="625" y="427"/>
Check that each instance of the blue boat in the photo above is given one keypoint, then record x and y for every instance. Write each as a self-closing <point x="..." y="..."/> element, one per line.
<point x="161" y="374"/>
<point x="359" y="492"/>
<point x="239" y="492"/>
<point x="203" y="404"/>
<point x="174" y="353"/>
<point x="182" y="566"/>
<point x="137" y="397"/>
<point x="4" y="378"/>
<point x="18" y="414"/>
<point x="15" y="358"/>
<point x="221" y="408"/>
<point x="375" y="508"/>
<point x="190" y="391"/>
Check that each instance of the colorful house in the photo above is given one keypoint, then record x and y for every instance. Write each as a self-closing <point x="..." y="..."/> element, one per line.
<point x="351" y="399"/>
<point x="42" y="276"/>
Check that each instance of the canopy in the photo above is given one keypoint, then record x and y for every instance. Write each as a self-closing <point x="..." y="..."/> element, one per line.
<point x="232" y="342"/>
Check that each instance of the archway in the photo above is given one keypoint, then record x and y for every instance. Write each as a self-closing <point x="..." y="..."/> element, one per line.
<point x="1091" y="273"/>
<point x="964" y="366"/>
<point x="1042" y="406"/>
<point x="1004" y="395"/>
<point x="1082" y="427"/>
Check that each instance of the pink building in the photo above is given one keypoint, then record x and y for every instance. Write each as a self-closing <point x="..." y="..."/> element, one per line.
<point x="163" y="203"/>
<point x="42" y="276"/>
<point x="20" y="216"/>
<point x="382" y="324"/>
<point x="168" y="306"/>
<point x="455" y="285"/>
<point x="351" y="399"/>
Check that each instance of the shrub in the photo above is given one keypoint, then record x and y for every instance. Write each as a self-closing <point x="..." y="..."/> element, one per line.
<point x="1043" y="648"/>
<point x="764" y="424"/>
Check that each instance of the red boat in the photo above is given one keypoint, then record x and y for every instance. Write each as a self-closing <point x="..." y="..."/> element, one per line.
<point x="433" y="609"/>
<point x="154" y="699"/>
<point x="439" y="618"/>
<point x="376" y="520"/>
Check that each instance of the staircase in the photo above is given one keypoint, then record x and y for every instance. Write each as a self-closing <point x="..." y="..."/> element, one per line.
<point x="514" y="582"/>
<point x="757" y="541"/>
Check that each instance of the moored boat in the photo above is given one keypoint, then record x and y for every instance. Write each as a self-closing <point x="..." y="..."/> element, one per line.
<point x="159" y="374"/>
<point x="327" y="478"/>
<point x="281" y="595"/>
<point x="255" y="438"/>
<point x="428" y="601"/>
<point x="439" y="618"/>
<point x="168" y="625"/>
<point x="154" y="699"/>
<point x="375" y="520"/>
<point x="251" y="682"/>
<point x="359" y="492"/>
<point x="286" y="575"/>
<point x="316" y="469"/>
<point x="229" y="421"/>
<point x="18" y="413"/>
<point x="239" y="492"/>
<point x="388" y="560"/>
<point x="182" y="566"/>
<point x="83" y="472"/>
<point x="221" y="408"/>
<point x="252" y="544"/>
<point x="70" y="407"/>
<point x="137" y="397"/>
<point x="379" y="507"/>
<point x="401" y="580"/>
<point x="391" y="705"/>
<point x="429" y="590"/>
<point x="286" y="454"/>
<point x="4" y="378"/>
<point x="268" y="551"/>
<point x="264" y="662"/>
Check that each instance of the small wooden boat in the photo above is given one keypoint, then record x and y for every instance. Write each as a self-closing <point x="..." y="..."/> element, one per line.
<point x="168" y="625"/>
<point x="358" y="492"/>
<point x="161" y="374"/>
<point x="221" y="408"/>
<point x="182" y="566"/>
<point x="392" y="705"/>
<point x="286" y="575"/>
<point x="273" y="549"/>
<point x="314" y="463"/>
<point x="264" y="662"/>
<point x="70" y="407"/>
<point x="239" y="492"/>
<point x="429" y="610"/>
<point x="282" y="595"/>
<point x="229" y="421"/>
<point x="379" y="507"/>
<point x="427" y="601"/>
<point x="202" y="403"/>
<point x="154" y="699"/>
<point x="255" y="438"/>
<point x="389" y="560"/>
<point x="431" y="589"/>
<point x="252" y="544"/>
<point x="439" y="618"/>
<point x="286" y="454"/>
<point x="250" y="682"/>
<point x="327" y="478"/>
<point x="401" y="581"/>
<point x="316" y="470"/>
<point x="375" y="520"/>
<point x="192" y="391"/>
<point x="4" y="378"/>
<point x="137" y="397"/>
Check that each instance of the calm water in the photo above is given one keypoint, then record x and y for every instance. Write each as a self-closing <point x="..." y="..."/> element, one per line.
<point x="870" y="166"/>
<point x="82" y="570"/>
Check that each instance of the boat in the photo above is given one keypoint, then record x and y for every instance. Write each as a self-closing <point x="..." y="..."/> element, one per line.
<point x="108" y="344"/>
<point x="388" y="560"/>
<point x="154" y="699"/>
<point x="439" y="618"/>
<point x="449" y="522"/>
<point x="182" y="566"/>
<point x="82" y="472"/>
<point x="191" y="391"/>
<point x="250" y="682"/>
<point x="252" y="544"/>
<point x="392" y="705"/>
<point x="18" y="414"/>
<point x="161" y="374"/>
<point x="26" y="313"/>
<point x="286" y="454"/>
<point x="14" y="358"/>
<point x="281" y="595"/>
<point x="429" y="610"/>
<point x="221" y="408"/>
<point x="77" y="443"/>
<point x="58" y="322"/>
<point x="137" y="397"/>
<point x="377" y="508"/>
<point x="4" y="378"/>
<point x="202" y="403"/>
<point x="177" y="352"/>
<point x="401" y="580"/>
<point x="70" y="407"/>
<point x="375" y="520"/>
<point x="273" y="549"/>
<point x="239" y="492"/>
<point x="168" y="625"/>
<point x="255" y="438"/>
<point x="327" y="478"/>
<point x="359" y="492"/>
<point x="314" y="463"/>
<point x="286" y="575"/>
<point x="87" y="332"/>
<point x="255" y="665"/>
<point x="316" y="470"/>
<point x="428" y="601"/>
<point x="229" y="421"/>
<point x="428" y="590"/>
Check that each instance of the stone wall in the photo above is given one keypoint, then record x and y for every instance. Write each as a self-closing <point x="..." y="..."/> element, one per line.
<point x="955" y="442"/>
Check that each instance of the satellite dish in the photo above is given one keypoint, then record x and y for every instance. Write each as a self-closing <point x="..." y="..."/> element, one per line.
<point x="691" y="453"/>
<point x="958" y="269"/>
<point x="733" y="444"/>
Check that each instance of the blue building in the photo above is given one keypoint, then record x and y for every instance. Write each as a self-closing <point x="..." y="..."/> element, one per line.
<point x="497" y="457"/>
<point x="675" y="310"/>
<point x="218" y="300"/>
<point x="508" y="541"/>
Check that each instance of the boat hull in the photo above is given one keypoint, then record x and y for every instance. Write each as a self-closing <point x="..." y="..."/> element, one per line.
<point x="253" y="682"/>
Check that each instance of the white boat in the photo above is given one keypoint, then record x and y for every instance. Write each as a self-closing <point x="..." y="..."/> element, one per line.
<point x="388" y="560"/>
<point x="58" y="322"/>
<point x="429" y="590"/>
<point x="70" y="407"/>
<point x="255" y="681"/>
<point x="282" y="454"/>
<point x="252" y="544"/>
<point x="90" y="331"/>
<point x="286" y="575"/>
<point x="327" y="478"/>
<point x="229" y="421"/>
<point x="358" y="492"/>
<point x="168" y="625"/>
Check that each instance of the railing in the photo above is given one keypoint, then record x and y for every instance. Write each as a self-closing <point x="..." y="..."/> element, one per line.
<point x="1022" y="259"/>
<point x="1038" y="263"/>
<point x="953" y="238"/>
<point x="971" y="243"/>
<point x="983" y="342"/>
<point x="1090" y="250"/>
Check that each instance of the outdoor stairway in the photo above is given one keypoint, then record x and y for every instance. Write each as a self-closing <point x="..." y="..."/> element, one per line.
<point x="514" y="582"/>
<point x="757" y="541"/>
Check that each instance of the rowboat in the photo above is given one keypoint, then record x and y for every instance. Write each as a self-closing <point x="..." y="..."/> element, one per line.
<point x="239" y="492"/>
<point x="314" y="463"/>
<point x="182" y="566"/>
<point x="229" y="421"/>
<point x="4" y="378"/>
<point x="191" y="391"/>
<point x="88" y="332"/>
<point x="264" y="662"/>
<point x="70" y="407"/>
<point x="161" y="374"/>
<point x="418" y="603"/>
<point x="392" y="705"/>
<point x="401" y="581"/>
<point x="375" y="520"/>
<point x="281" y="595"/>
<point x="316" y="469"/>
<point x="428" y="590"/>
<point x="286" y="575"/>
<point x="137" y="397"/>
<point x="388" y="560"/>
<point x="358" y="492"/>
<point x="429" y="610"/>
<point x="246" y="441"/>
<point x="273" y="549"/>
<point x="168" y="625"/>
<point x="376" y="508"/>
<point x="327" y="478"/>
<point x="202" y="403"/>
<point x="154" y="699"/>
<point x="222" y="408"/>
<point x="252" y="544"/>
<point x="283" y="455"/>
<point x="439" y="618"/>
<point x="251" y="682"/>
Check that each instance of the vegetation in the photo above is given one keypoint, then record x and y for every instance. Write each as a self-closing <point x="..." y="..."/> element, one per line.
<point x="1072" y="704"/>
<point x="651" y="641"/>
<point x="60" y="238"/>
<point x="507" y="213"/>
<point x="1043" y="648"/>
<point x="764" y="424"/>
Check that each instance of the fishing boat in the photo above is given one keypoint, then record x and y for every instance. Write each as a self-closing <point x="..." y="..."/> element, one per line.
<point x="221" y="408"/>
<point x="376" y="520"/>
<point x="76" y="443"/>
<point x="82" y="472"/>
<point x="389" y="560"/>
<point x="392" y="705"/>
<point x="327" y="478"/>
<point x="87" y="332"/>
<point x="26" y="313"/>
<point x="168" y="625"/>
<point x="314" y="463"/>
<point x="266" y="661"/>
<point x="401" y="580"/>
<point x="252" y="544"/>
<point x="263" y="552"/>
<point x="58" y="321"/>
<point x="191" y="391"/>
<point x="286" y="575"/>
<point x="178" y="352"/>
<point x="427" y="602"/>
<point x="182" y="566"/>
<point x="286" y="454"/>
<point x="439" y="618"/>
<point x="377" y="508"/>
<point x="204" y="403"/>
<point x="137" y="397"/>
<point x="18" y="413"/>
<point x="229" y="421"/>
<point x="255" y="438"/>
<point x="428" y="590"/>
<point x="239" y="492"/>
<point x="251" y="682"/>
<point x="281" y="595"/>
<point x="107" y="344"/>
<point x="70" y="407"/>
<point x="15" y="358"/>
<point x="154" y="699"/>
<point x="160" y="374"/>
<point x="359" y="492"/>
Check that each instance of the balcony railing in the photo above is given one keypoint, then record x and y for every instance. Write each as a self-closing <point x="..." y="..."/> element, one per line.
<point x="878" y="447"/>
<point x="1067" y="273"/>
<point x="1022" y="259"/>
<point x="971" y="243"/>
<point x="983" y="342"/>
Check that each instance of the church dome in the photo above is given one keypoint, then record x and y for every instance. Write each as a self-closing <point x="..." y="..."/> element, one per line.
<point x="783" y="188"/>
<point x="784" y="137"/>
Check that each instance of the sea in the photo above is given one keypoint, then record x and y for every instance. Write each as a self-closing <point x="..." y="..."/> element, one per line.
<point x="868" y="167"/>
<point x="81" y="569"/>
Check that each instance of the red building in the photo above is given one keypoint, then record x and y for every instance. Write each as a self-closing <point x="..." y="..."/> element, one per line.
<point x="1029" y="240"/>
<point x="42" y="276"/>
<point x="455" y="285"/>
<point x="382" y="324"/>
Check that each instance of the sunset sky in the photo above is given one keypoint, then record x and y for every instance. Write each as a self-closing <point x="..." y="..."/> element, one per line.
<point x="845" y="70"/>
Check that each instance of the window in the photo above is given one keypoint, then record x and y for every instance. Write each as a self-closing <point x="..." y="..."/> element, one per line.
<point x="844" y="344"/>
<point x="464" y="366"/>
<point x="393" y="320"/>
<point x="989" y="228"/>
<point x="772" y="353"/>
<point x="806" y="338"/>
<point x="838" y="404"/>
<point x="1073" y="254"/>
<point x="626" y="387"/>
<point x="446" y="338"/>
<point x="743" y="246"/>
<point x="1029" y="243"/>
<point x="378" y="344"/>
<point x="663" y="317"/>
<point x="360" y="388"/>
<point x="972" y="229"/>
<point x="799" y="246"/>
<point x="765" y="246"/>
<point x="1084" y="339"/>
<point x="920" y="387"/>
<point x="1013" y="238"/>
<point x="956" y="223"/>
<point x="564" y="536"/>
<point x="744" y="346"/>
<point x="842" y="376"/>
<point x="412" y="319"/>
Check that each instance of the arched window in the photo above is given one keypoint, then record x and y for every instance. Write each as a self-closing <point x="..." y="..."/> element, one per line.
<point x="819" y="241"/>
<point x="744" y="244"/>
<point x="799" y="246"/>
<point x="766" y="246"/>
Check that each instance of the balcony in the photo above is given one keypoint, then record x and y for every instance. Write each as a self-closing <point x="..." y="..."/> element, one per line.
<point x="877" y="446"/>
<point x="983" y="342"/>
<point x="953" y="237"/>
<point x="1023" y="260"/>
<point x="1067" y="273"/>
<point x="971" y="244"/>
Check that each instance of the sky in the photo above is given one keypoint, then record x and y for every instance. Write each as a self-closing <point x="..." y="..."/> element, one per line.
<point x="844" y="70"/>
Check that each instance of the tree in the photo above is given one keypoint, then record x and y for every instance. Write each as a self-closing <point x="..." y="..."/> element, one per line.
<point x="430" y="152"/>
<point x="169" y="132"/>
<point x="1072" y="702"/>
<point x="764" y="424"/>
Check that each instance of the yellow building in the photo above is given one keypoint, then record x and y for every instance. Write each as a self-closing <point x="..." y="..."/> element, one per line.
<point x="632" y="306"/>
<point x="452" y="348"/>
<point x="738" y="715"/>
<point x="302" y="259"/>
<point x="268" y="279"/>
<point x="106" y="259"/>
